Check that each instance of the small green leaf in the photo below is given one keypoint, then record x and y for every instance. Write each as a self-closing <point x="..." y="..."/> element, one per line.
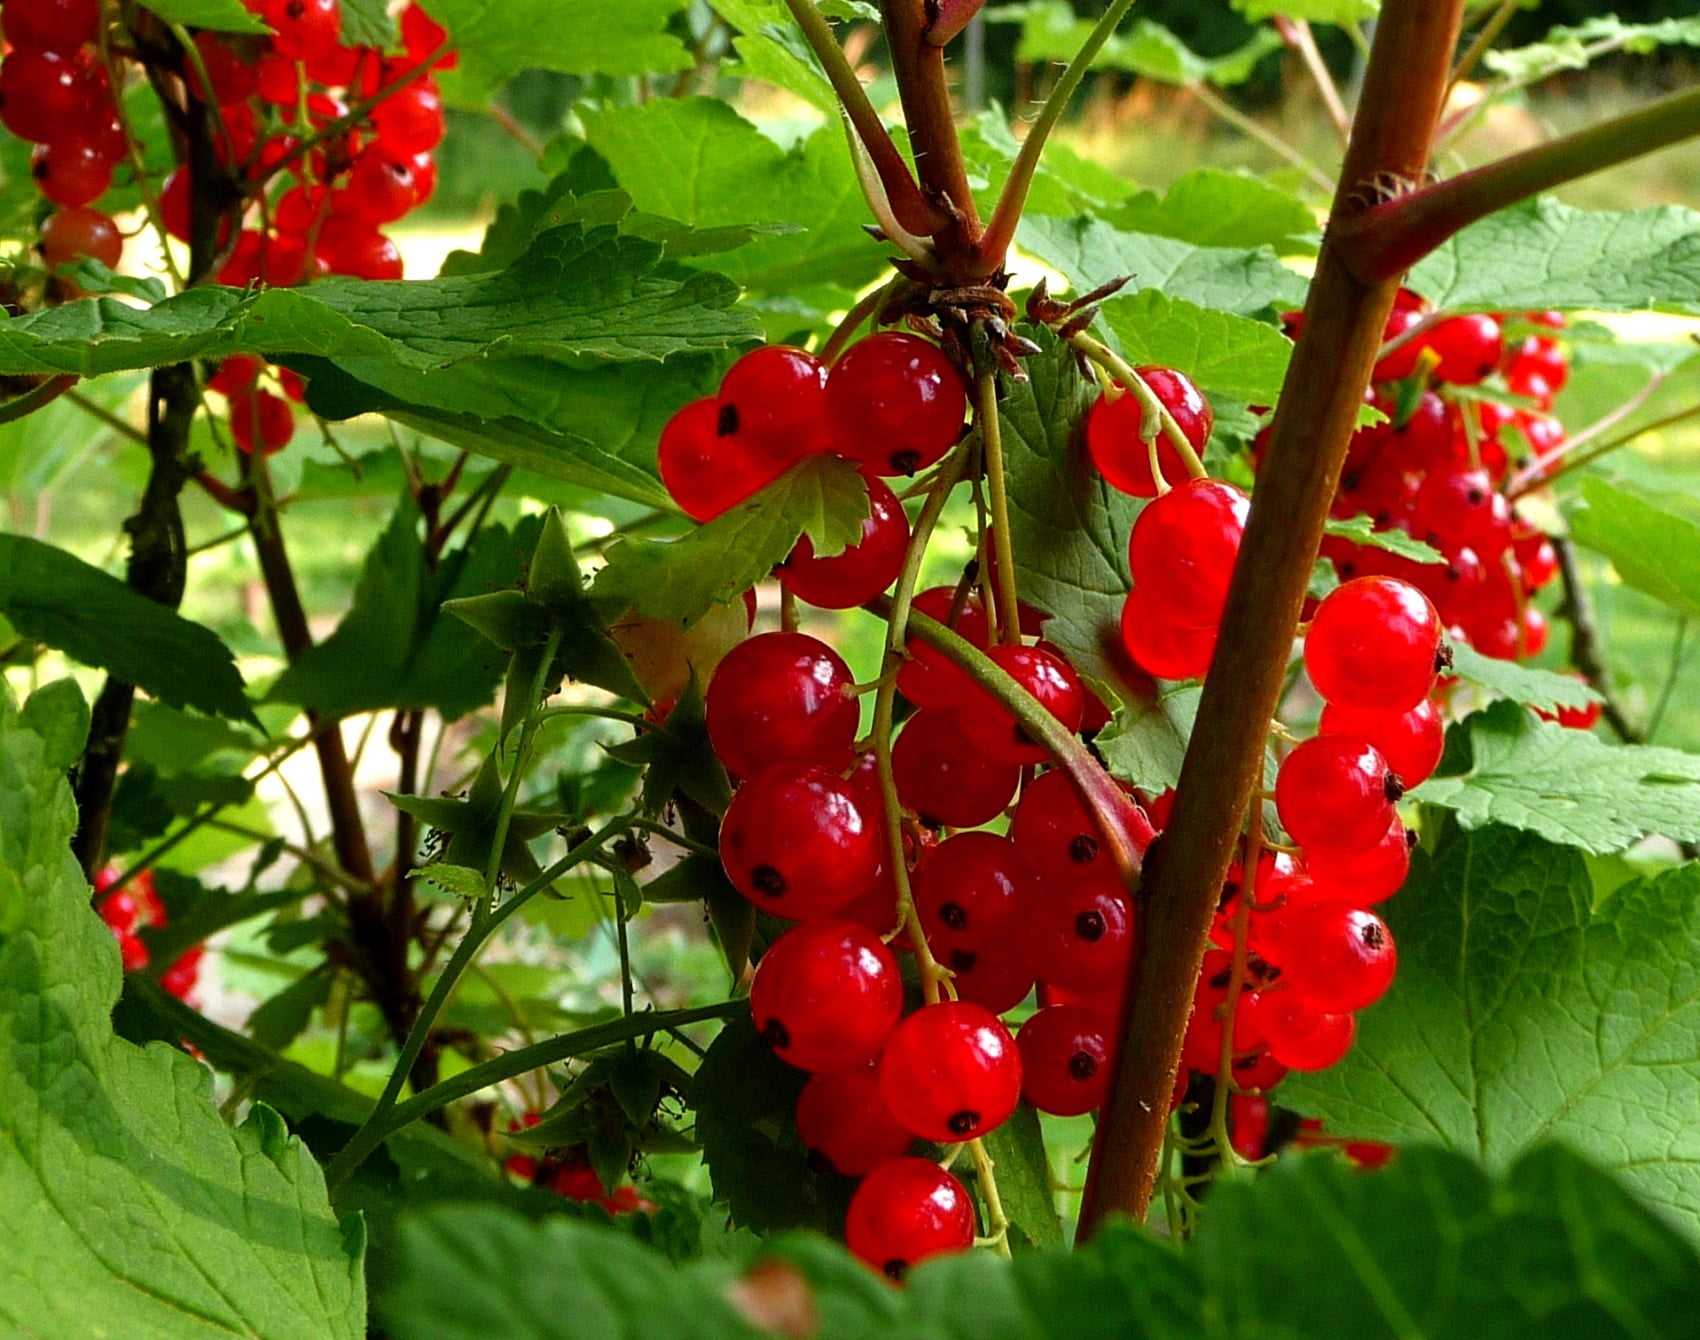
<point x="1146" y="742"/>
<point x="1338" y="12"/>
<point x="458" y="881"/>
<point x="367" y="23"/>
<point x="59" y="714"/>
<point x="1540" y="689"/>
<point x="1653" y="550"/>
<point x="822" y="497"/>
<point x="1051" y="32"/>
<point x="677" y="757"/>
<point x="1213" y="207"/>
<point x="1361" y="530"/>
<point x="1569" y="786"/>
<point x="1227" y="355"/>
<point x="54" y="597"/>
<point x="220" y="16"/>
<point x="507" y="618"/>
<point x="1023" y="1170"/>
<point x="1574" y="48"/>
<point x="279" y="1020"/>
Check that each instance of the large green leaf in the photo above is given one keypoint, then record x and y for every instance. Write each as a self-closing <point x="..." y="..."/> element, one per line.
<point x="608" y="37"/>
<point x="1569" y="786"/>
<point x="1521" y="1014"/>
<point x="1543" y="254"/>
<point x="577" y="298"/>
<point x="1653" y="550"/>
<point x="822" y="497"/>
<point x="696" y="160"/>
<point x="1544" y="690"/>
<point x="1227" y="355"/>
<point x="135" y="1209"/>
<point x="1212" y="207"/>
<point x="222" y="16"/>
<point x="1431" y="1247"/>
<point x="396" y="647"/>
<point x="1246" y="282"/>
<point x="54" y="597"/>
<point x="1576" y="47"/>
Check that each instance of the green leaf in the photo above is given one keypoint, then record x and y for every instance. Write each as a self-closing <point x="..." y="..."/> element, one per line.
<point x="1361" y="530"/>
<point x="587" y="37"/>
<point x="1543" y="254"/>
<point x="1653" y="550"/>
<point x="170" y="1223"/>
<point x="696" y="160"/>
<point x="1227" y="355"/>
<point x="221" y="16"/>
<point x="822" y="497"/>
<point x="1569" y="48"/>
<point x="367" y="23"/>
<point x="279" y="1020"/>
<point x="53" y="597"/>
<point x="677" y="757"/>
<point x="1213" y="207"/>
<point x="1023" y="1170"/>
<point x="1540" y="689"/>
<point x="1146" y="742"/>
<point x="554" y="582"/>
<point x="395" y="647"/>
<point x="1337" y="12"/>
<point x="1050" y="32"/>
<point x="1089" y="252"/>
<point x="458" y="881"/>
<point x="1521" y="1014"/>
<point x="1569" y="786"/>
<point x="59" y="714"/>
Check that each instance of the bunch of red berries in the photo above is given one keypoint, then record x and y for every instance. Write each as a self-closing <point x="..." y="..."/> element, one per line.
<point x="1442" y="467"/>
<point x="126" y="910"/>
<point x="569" y="1174"/>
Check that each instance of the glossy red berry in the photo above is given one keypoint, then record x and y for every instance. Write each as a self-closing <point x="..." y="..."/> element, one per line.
<point x="971" y="891"/>
<point x="1183" y="547"/>
<point x="1083" y="935"/>
<point x="1402" y="361"/>
<point x="50" y="25"/>
<point x="895" y="403"/>
<point x="1162" y="649"/>
<point x="799" y="841"/>
<point x="946" y="779"/>
<point x="42" y="93"/>
<point x="410" y="121"/>
<point x="381" y="186"/>
<point x="421" y="35"/>
<point x="260" y="421"/>
<point x="951" y="1072"/>
<point x="352" y="247"/>
<point x="1336" y="791"/>
<point x="231" y="80"/>
<point x="1334" y="957"/>
<point x="845" y="1125"/>
<point x="863" y="570"/>
<point x="72" y="171"/>
<point x="1470" y="348"/>
<point x="1362" y="877"/>
<point x="1048" y="679"/>
<point x="1301" y="1037"/>
<point x="996" y="978"/>
<point x="304" y="28"/>
<point x="775" y="398"/>
<point x="1462" y="506"/>
<point x="237" y="373"/>
<point x="72" y="234"/>
<point x="703" y="472"/>
<point x="927" y="678"/>
<point x="781" y="698"/>
<point x="1058" y="837"/>
<point x="1065" y="1059"/>
<point x="826" y="995"/>
<point x="1122" y="457"/>
<point x="1375" y="643"/>
<point x="906" y="1211"/>
<point x="182" y="976"/>
<point x="1411" y="742"/>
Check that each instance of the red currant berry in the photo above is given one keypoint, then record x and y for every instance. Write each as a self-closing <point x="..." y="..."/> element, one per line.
<point x="51" y="25"/>
<point x="1362" y="877"/>
<point x="71" y="171"/>
<point x="1411" y="742"/>
<point x="304" y="28"/>
<point x="781" y="698"/>
<point x="951" y="1072"/>
<point x="927" y="678"/>
<point x="774" y="398"/>
<point x="421" y="35"/>
<point x="1248" y="1125"/>
<point x="237" y="373"/>
<point x="72" y="234"/>
<point x="1113" y="427"/>
<point x="906" y="1211"/>
<point x="1065" y="1059"/>
<point x="702" y="471"/>
<point x="1536" y="559"/>
<point x="351" y="247"/>
<point x="1462" y="506"/>
<point x="1336" y="791"/>
<point x="410" y="121"/>
<point x="895" y="403"/>
<point x="1046" y="678"/>
<point x="1334" y="957"/>
<point x="845" y="1125"/>
<point x="1183" y="548"/>
<point x="132" y="952"/>
<point x="1162" y="649"/>
<point x="1083" y="935"/>
<point x="1374" y="642"/>
<point x="1303" y="1038"/>
<point x="799" y="841"/>
<point x="995" y="977"/>
<point x="971" y="891"/>
<point x="1402" y="362"/>
<point x="944" y="778"/>
<point x="1470" y="348"/>
<point x="381" y="187"/>
<point x="181" y="977"/>
<point x="42" y="93"/>
<point x="826" y="995"/>
<point x="863" y="570"/>
<point x="260" y="421"/>
<point x="1058" y="837"/>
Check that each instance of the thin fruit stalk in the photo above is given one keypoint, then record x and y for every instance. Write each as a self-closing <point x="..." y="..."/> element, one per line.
<point x="1406" y="80"/>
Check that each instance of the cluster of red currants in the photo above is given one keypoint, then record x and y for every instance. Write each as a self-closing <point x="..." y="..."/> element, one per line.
<point x="568" y="1173"/>
<point x="1455" y="390"/>
<point x="126" y="910"/>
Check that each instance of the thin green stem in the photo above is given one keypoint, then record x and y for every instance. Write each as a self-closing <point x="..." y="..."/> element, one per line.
<point x="997" y="497"/>
<point x="1484" y="39"/>
<point x="1006" y="215"/>
<point x="1656" y="718"/>
<point x="867" y="306"/>
<point x="914" y="212"/>
<point x="997" y="1220"/>
<point x="522" y="755"/>
<point x="1154" y="414"/>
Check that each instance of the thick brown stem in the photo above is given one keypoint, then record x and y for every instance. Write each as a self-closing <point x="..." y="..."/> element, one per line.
<point x="919" y="68"/>
<point x="1344" y="318"/>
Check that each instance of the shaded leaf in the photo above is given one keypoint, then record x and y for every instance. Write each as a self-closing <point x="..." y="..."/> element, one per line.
<point x="1653" y="550"/>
